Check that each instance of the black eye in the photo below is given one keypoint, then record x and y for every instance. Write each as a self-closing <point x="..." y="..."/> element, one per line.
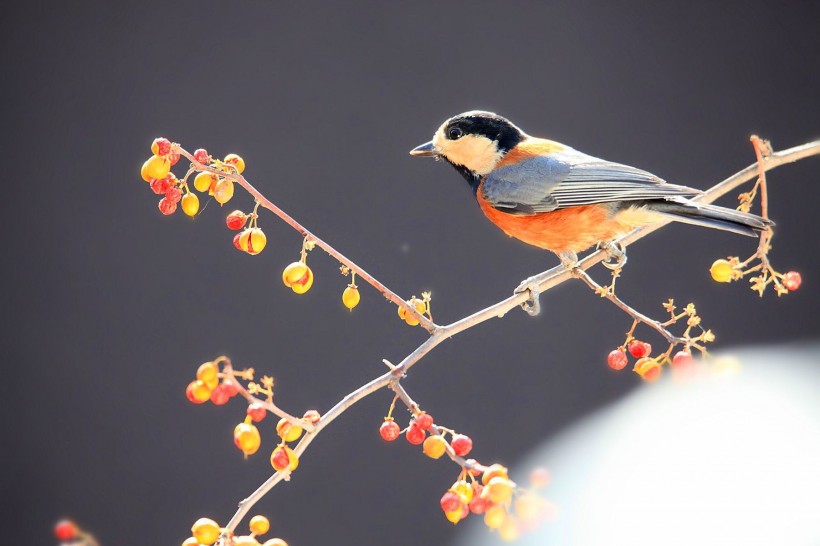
<point x="454" y="133"/>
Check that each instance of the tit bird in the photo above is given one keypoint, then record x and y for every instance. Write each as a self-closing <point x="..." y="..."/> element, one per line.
<point x="557" y="198"/>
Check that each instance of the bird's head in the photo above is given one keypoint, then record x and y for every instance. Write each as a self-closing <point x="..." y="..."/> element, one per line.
<point x="473" y="142"/>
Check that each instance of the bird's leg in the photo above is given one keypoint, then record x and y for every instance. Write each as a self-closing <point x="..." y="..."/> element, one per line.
<point x="614" y="251"/>
<point x="533" y="304"/>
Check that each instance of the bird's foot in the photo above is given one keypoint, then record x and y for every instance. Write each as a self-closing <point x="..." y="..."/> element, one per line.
<point x="569" y="260"/>
<point x="533" y="304"/>
<point x="616" y="254"/>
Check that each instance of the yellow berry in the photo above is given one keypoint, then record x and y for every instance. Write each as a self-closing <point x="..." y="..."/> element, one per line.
<point x="498" y="490"/>
<point x="275" y="542"/>
<point x="223" y="191"/>
<point x="284" y="457"/>
<point x="495" y="516"/>
<point x="236" y="161"/>
<point x="492" y="471"/>
<point x="351" y="297"/>
<point x="204" y="181"/>
<point x="509" y="530"/>
<point x="144" y="172"/>
<point x="408" y="318"/>
<point x="157" y="167"/>
<point x="252" y="240"/>
<point x="288" y="432"/>
<point x="190" y="541"/>
<point x="648" y="368"/>
<point x="246" y="438"/>
<point x="721" y="271"/>
<point x="245" y="541"/>
<point x="198" y="391"/>
<point x="434" y="446"/>
<point x="207" y="371"/>
<point x="205" y="531"/>
<point x="259" y="525"/>
<point x="454" y="516"/>
<point x="464" y="491"/>
<point x="190" y="204"/>
<point x="298" y="276"/>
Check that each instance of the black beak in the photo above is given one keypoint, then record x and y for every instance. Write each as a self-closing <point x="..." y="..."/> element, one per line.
<point x="425" y="150"/>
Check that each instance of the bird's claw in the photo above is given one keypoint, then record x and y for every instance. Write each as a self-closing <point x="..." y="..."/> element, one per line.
<point x="614" y="251"/>
<point x="532" y="306"/>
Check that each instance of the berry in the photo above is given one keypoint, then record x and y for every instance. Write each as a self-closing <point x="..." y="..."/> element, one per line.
<point x="204" y="182"/>
<point x="65" y="530"/>
<point x="415" y="435"/>
<point x="389" y="430"/>
<point x="312" y="416"/>
<point x="409" y="319"/>
<point x="434" y="446"/>
<point x="509" y="531"/>
<point x="167" y="207"/>
<point x="461" y="444"/>
<point x="648" y="369"/>
<point x="478" y="505"/>
<point x="424" y="420"/>
<point x="464" y="491"/>
<point x="244" y="541"/>
<point x="458" y="514"/>
<point x="450" y="501"/>
<point x="236" y="241"/>
<point x="160" y="185"/>
<point x="617" y="359"/>
<point x="173" y="194"/>
<point x="498" y="490"/>
<point x="681" y="359"/>
<point x="223" y="191"/>
<point x="173" y="158"/>
<point x="231" y="388"/>
<point x="190" y="541"/>
<point x="236" y="161"/>
<point x="539" y="477"/>
<point x="156" y="167"/>
<point x="198" y="392"/>
<point x="275" y="542"/>
<point x="257" y="412"/>
<point x="236" y="220"/>
<point x="284" y="457"/>
<point x="722" y="271"/>
<point x="639" y="349"/>
<point x="246" y="438"/>
<point x="207" y="371"/>
<point x="205" y="531"/>
<point x="298" y="276"/>
<point x="252" y="241"/>
<point x="494" y="516"/>
<point x="190" y="204"/>
<point x="527" y="506"/>
<point x="792" y="281"/>
<point x="351" y="297"/>
<point x="259" y="525"/>
<point x="160" y="146"/>
<point x="287" y="431"/>
<point x="220" y="395"/>
<point x="201" y="155"/>
<point x="492" y="471"/>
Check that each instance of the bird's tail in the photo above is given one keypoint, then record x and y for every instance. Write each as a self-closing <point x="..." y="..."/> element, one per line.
<point x="712" y="216"/>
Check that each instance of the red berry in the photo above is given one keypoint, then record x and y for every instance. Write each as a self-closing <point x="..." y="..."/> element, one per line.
<point x="415" y="435"/>
<point x="639" y="349"/>
<point x="167" y="207"/>
<point x="450" y="502"/>
<point x="65" y="530"/>
<point x="236" y="220"/>
<point x="163" y="146"/>
<point x="792" y="280"/>
<point x="173" y="194"/>
<point x="617" y="359"/>
<point x="230" y="388"/>
<point x="312" y="416"/>
<point x="479" y="505"/>
<point x="461" y="444"/>
<point x="236" y="241"/>
<point x="160" y="185"/>
<point x="201" y="155"/>
<point x="280" y="459"/>
<point x="173" y="158"/>
<point x="389" y="430"/>
<point x="424" y="420"/>
<point x="220" y="395"/>
<point x="257" y="412"/>
<point x="682" y="358"/>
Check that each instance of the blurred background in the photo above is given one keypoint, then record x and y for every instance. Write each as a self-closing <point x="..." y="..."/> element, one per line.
<point x="109" y="306"/>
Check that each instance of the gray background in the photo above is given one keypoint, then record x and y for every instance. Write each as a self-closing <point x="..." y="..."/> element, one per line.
<point x="109" y="306"/>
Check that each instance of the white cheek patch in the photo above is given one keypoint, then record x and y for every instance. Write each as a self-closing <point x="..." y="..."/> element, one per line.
<point x="477" y="153"/>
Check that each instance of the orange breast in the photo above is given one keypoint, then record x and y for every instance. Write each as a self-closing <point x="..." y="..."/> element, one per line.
<point x="530" y="148"/>
<point x="572" y="229"/>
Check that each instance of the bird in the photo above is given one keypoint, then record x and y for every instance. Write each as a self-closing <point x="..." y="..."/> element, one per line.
<point x="557" y="198"/>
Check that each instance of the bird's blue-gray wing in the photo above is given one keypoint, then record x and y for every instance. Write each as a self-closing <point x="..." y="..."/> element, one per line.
<point x="569" y="179"/>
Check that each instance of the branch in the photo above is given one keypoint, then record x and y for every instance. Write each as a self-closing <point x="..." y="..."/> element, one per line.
<point x="546" y="280"/>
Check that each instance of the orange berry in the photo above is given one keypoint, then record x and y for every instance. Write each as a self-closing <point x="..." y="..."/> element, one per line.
<point x="190" y="541"/>
<point x="207" y="371"/>
<point x="648" y="369"/>
<point x="236" y="161"/>
<point x="190" y="204"/>
<point x="157" y="167"/>
<point x="198" y="392"/>
<point x="252" y="240"/>
<point x="223" y="191"/>
<point x="351" y="297"/>
<point x="434" y="446"/>
<point x="245" y="541"/>
<point x="721" y="271"/>
<point x="259" y="525"/>
<point x="492" y="471"/>
<point x="495" y="516"/>
<point x="284" y="457"/>
<point x="204" y="181"/>
<point x="246" y="438"/>
<point x="298" y="277"/>
<point x="498" y="490"/>
<point x="205" y="531"/>
<point x="287" y="431"/>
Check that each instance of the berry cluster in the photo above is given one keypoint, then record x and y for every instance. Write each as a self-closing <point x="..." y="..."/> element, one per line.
<point x="206" y="532"/>
<point x="492" y="495"/>
<point x="648" y="367"/>
<point x="732" y="269"/>
<point x="422" y="306"/>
